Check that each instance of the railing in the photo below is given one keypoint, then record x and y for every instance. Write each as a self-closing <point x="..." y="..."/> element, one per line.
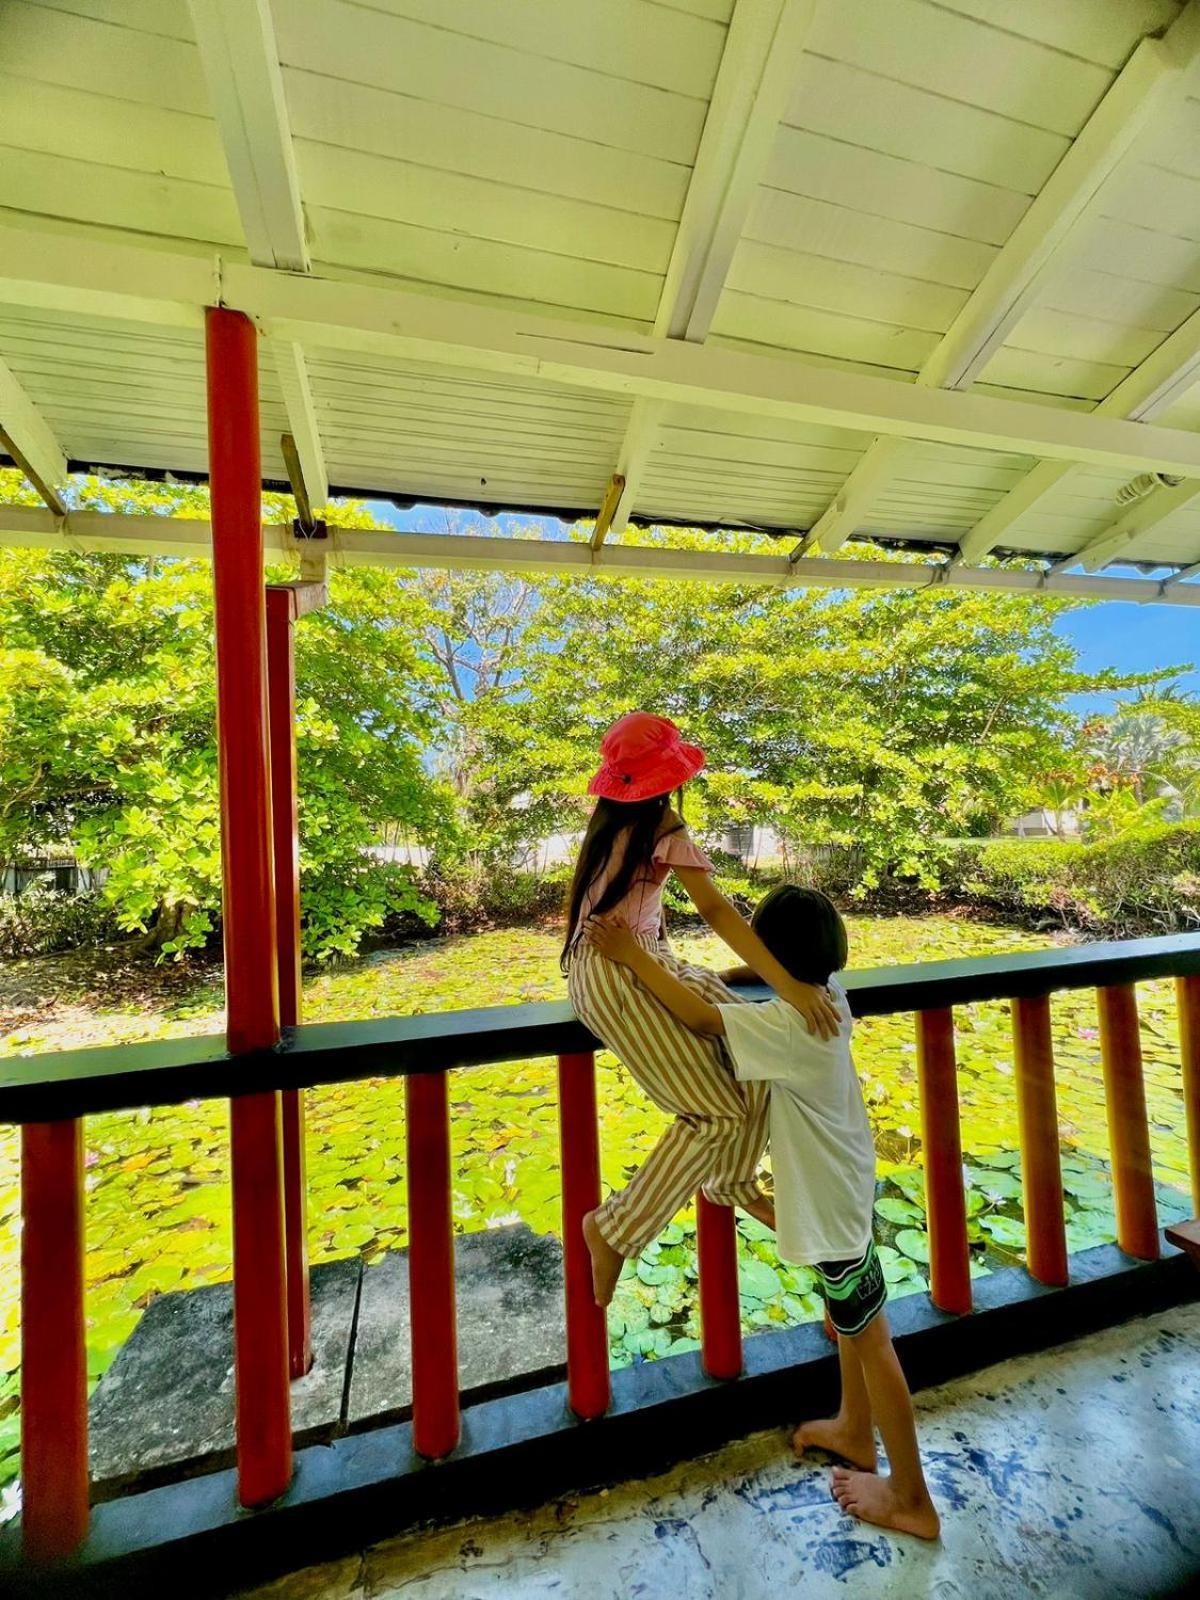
<point x="49" y="1095"/>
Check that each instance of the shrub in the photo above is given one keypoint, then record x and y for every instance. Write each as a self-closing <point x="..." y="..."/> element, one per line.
<point x="469" y="895"/>
<point x="42" y="922"/>
<point x="1144" y="881"/>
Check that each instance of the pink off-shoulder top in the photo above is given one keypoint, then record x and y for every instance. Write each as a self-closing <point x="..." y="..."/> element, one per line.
<point x="642" y="906"/>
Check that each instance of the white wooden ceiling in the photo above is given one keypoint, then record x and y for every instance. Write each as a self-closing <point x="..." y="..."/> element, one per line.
<point x="995" y="196"/>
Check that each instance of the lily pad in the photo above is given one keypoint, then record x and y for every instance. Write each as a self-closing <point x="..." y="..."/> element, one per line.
<point x="913" y="1244"/>
<point x="757" y="1281"/>
<point x="902" y="1212"/>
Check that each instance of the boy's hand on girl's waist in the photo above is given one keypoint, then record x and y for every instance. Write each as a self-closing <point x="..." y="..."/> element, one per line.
<point x="812" y="1001"/>
<point x="614" y="940"/>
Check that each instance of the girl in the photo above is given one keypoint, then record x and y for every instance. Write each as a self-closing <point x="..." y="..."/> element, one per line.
<point x="633" y="841"/>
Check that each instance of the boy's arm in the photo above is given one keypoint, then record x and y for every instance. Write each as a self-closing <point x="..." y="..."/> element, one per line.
<point x="615" y="941"/>
<point x="736" y="975"/>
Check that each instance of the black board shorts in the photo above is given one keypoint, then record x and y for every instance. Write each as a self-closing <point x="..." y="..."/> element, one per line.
<point x="854" y="1291"/>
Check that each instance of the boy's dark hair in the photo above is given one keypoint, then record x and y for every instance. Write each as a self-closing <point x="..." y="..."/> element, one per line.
<point x="803" y="930"/>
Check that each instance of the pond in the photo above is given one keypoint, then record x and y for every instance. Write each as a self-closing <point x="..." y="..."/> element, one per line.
<point x="158" y="1183"/>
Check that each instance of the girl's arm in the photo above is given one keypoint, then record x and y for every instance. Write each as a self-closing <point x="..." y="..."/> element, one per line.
<point x="811" y="1001"/>
<point x="614" y="940"/>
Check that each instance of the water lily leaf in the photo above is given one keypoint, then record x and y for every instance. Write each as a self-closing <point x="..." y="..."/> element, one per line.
<point x="753" y="1229"/>
<point x="1004" y="1231"/>
<point x="679" y="1347"/>
<point x="651" y="1273"/>
<point x="757" y="1281"/>
<point x="899" y="1211"/>
<point x="913" y="1244"/>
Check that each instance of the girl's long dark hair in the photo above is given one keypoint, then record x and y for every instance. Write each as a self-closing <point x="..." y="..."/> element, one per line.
<point x="642" y="821"/>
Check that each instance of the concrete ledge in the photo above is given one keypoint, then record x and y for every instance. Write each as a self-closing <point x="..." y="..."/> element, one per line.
<point x="190" y="1539"/>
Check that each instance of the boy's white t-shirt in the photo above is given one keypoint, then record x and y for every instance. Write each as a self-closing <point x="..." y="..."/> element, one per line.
<point x="822" y="1152"/>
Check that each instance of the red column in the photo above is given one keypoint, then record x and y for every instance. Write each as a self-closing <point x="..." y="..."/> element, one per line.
<point x="720" y="1304"/>
<point x="1037" y="1119"/>
<point x="281" y="697"/>
<point x="1187" y="997"/>
<point x="1128" y="1129"/>
<point x="949" y="1256"/>
<point x="589" y="1386"/>
<point x="54" y="1444"/>
<point x="431" y="1267"/>
<point x="251" y="975"/>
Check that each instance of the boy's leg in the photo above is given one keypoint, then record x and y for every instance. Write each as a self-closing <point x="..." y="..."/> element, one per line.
<point x="850" y="1434"/>
<point x="901" y="1500"/>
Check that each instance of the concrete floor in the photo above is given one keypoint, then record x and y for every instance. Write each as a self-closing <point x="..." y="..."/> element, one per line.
<point x="1067" y="1474"/>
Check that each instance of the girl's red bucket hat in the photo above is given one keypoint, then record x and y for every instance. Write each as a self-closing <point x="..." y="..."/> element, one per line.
<point x="643" y="756"/>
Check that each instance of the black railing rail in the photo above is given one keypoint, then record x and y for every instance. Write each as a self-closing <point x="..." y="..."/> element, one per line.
<point x="75" y="1083"/>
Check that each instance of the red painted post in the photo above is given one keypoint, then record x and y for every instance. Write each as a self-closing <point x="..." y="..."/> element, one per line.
<point x="1128" y="1128"/>
<point x="589" y="1386"/>
<point x="1037" y="1120"/>
<point x="264" y="1440"/>
<point x="281" y="698"/>
<point x="937" y="1073"/>
<point x="720" y="1304"/>
<point x="54" y="1420"/>
<point x="1187" y="997"/>
<point x="431" y="1267"/>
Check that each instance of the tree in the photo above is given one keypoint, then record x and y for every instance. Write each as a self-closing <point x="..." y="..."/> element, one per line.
<point x="885" y="719"/>
<point x="107" y="696"/>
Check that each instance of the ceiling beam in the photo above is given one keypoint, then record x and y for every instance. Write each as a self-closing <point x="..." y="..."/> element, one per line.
<point x="241" y="65"/>
<point x="27" y="438"/>
<point x="608" y="506"/>
<point x="302" y="420"/>
<point x="1140" y="518"/>
<point x="1168" y="372"/>
<point x="845" y="511"/>
<point x="245" y="85"/>
<point x="755" y="79"/>
<point x="1149" y="80"/>
<point x="184" y="538"/>
<point x="1145" y="85"/>
<point x="641" y="436"/>
<point x="335" y="313"/>
<point x="763" y="45"/>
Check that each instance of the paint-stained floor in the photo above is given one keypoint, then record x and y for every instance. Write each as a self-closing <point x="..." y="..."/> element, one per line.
<point x="1067" y="1474"/>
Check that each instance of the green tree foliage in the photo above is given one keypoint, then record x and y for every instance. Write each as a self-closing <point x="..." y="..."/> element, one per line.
<point x="107" y="716"/>
<point x="883" y="719"/>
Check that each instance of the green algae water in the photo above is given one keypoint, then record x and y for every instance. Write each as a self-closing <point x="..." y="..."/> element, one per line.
<point x="158" y="1181"/>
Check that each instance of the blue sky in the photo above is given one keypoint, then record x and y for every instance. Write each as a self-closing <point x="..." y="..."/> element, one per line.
<point x="1135" y="639"/>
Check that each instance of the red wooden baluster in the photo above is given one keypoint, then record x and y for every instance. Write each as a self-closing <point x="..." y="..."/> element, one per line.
<point x="1187" y="996"/>
<point x="1037" y="1120"/>
<point x="589" y="1385"/>
<point x="54" y="1419"/>
<point x="431" y="1267"/>
<point x="720" y="1305"/>
<point x="281" y="695"/>
<point x="949" y="1256"/>
<point x="264" y="1439"/>
<point x="1128" y="1129"/>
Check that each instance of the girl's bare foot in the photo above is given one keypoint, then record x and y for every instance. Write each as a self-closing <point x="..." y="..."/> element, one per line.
<point x="762" y="1210"/>
<point x="873" y="1499"/>
<point x="835" y="1434"/>
<point x="606" y="1262"/>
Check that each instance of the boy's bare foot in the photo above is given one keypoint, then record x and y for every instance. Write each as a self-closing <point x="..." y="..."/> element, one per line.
<point x="606" y="1262"/>
<point x="762" y="1210"/>
<point x="874" y="1499"/>
<point x="839" y="1439"/>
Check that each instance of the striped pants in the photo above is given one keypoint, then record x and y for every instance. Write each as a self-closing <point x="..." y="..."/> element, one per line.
<point x="720" y="1128"/>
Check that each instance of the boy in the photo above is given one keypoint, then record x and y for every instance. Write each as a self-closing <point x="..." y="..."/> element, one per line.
<point x="823" y="1158"/>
